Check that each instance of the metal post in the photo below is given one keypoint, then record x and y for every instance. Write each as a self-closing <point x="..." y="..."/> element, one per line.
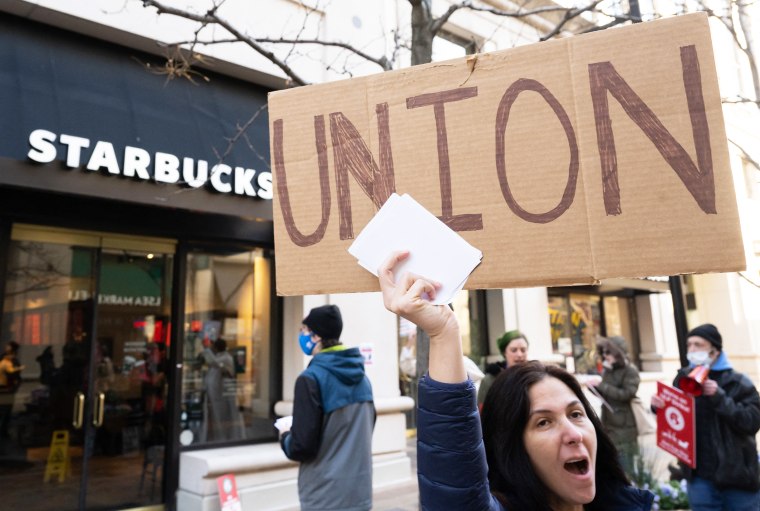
<point x="679" y="316"/>
<point x="634" y="11"/>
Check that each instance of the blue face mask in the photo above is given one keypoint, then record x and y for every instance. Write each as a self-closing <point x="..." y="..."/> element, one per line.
<point x="306" y="342"/>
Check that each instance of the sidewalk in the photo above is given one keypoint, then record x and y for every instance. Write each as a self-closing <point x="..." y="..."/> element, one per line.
<point x="400" y="497"/>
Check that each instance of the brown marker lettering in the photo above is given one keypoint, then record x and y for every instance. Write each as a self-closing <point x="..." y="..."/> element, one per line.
<point x="697" y="179"/>
<point x="464" y="222"/>
<point x="353" y="156"/>
<point x="502" y="117"/>
<point x="296" y="236"/>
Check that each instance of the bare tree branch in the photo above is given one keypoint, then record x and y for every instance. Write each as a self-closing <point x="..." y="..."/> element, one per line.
<point x="383" y="62"/>
<point x="745" y="155"/>
<point x="437" y="24"/>
<point x="520" y="13"/>
<point x="241" y="130"/>
<point x="739" y="100"/>
<point x="212" y="18"/>
<point x="742" y="275"/>
<point x="569" y="14"/>
<point x="743" y="36"/>
<point x="617" y="20"/>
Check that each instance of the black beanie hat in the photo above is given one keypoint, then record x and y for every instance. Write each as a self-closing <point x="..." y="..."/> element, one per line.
<point x="325" y="321"/>
<point x="710" y="333"/>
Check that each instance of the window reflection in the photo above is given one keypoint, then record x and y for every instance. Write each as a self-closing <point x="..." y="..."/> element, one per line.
<point x="575" y="322"/>
<point x="225" y="389"/>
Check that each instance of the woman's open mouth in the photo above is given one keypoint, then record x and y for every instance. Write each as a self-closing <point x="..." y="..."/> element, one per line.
<point x="578" y="467"/>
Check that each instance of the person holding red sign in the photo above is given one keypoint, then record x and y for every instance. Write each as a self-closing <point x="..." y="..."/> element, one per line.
<point x="727" y="476"/>
<point x="541" y="447"/>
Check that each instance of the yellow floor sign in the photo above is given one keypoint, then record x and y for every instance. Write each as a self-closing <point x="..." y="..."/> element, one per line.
<point x="58" y="463"/>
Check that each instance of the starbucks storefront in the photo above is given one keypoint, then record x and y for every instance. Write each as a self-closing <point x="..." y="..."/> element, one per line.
<point x="136" y="269"/>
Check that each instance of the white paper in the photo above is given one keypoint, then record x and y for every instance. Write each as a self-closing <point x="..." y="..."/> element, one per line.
<point x="284" y="423"/>
<point x="436" y="251"/>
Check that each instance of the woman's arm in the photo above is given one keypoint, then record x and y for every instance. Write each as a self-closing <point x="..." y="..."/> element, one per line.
<point x="405" y="298"/>
<point x="451" y="460"/>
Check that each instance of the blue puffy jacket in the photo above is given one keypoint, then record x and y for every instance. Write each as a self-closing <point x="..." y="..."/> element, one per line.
<point x="451" y="458"/>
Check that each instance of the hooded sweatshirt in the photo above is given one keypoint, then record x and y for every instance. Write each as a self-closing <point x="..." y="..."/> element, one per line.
<point x="331" y="435"/>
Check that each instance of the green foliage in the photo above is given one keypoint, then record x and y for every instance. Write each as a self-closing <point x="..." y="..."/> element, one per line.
<point x="668" y="495"/>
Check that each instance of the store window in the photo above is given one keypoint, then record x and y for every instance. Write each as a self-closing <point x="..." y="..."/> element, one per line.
<point x="579" y="320"/>
<point x="226" y="386"/>
<point x="575" y="321"/>
<point x="88" y="314"/>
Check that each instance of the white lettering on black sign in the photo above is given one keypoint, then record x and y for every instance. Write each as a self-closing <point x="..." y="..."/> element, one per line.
<point x="112" y="299"/>
<point x="167" y="168"/>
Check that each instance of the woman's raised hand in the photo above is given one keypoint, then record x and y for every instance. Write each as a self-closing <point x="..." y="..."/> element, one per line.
<point x="410" y="298"/>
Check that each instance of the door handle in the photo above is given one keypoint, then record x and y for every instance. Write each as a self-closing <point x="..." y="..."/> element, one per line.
<point x="97" y="416"/>
<point x="78" y="411"/>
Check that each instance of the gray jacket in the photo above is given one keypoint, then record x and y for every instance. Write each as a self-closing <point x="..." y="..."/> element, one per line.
<point x="333" y="419"/>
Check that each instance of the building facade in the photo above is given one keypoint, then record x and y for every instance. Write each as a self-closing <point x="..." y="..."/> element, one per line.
<point x="137" y="254"/>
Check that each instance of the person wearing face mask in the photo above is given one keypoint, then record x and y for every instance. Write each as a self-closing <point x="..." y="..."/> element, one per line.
<point x="513" y="345"/>
<point x="618" y="386"/>
<point x="333" y="419"/>
<point x="727" y="476"/>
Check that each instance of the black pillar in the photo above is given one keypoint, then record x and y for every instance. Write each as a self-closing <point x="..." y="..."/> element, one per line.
<point x="634" y="11"/>
<point x="679" y="316"/>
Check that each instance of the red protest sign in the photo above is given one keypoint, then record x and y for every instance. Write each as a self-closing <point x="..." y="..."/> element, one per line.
<point x="676" y="432"/>
<point x="228" y="495"/>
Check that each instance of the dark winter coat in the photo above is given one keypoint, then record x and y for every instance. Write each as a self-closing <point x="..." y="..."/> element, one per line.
<point x="451" y="459"/>
<point x="619" y="385"/>
<point x="492" y="371"/>
<point x="726" y="425"/>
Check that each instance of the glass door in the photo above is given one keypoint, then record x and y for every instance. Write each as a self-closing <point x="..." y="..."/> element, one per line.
<point x="129" y="368"/>
<point x="86" y="316"/>
<point x="46" y="325"/>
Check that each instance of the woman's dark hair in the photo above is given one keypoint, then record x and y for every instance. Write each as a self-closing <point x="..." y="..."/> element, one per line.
<point x="505" y="415"/>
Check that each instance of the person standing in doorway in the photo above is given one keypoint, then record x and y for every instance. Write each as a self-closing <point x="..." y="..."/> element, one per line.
<point x="513" y="345"/>
<point x="10" y="381"/>
<point x="727" y="476"/>
<point x="223" y="421"/>
<point x="333" y="419"/>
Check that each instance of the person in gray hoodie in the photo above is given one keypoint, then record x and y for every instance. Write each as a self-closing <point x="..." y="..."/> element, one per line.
<point x="333" y="419"/>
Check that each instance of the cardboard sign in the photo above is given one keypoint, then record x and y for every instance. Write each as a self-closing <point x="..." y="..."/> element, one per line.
<point x="228" y="495"/>
<point x="676" y="429"/>
<point x="564" y="162"/>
